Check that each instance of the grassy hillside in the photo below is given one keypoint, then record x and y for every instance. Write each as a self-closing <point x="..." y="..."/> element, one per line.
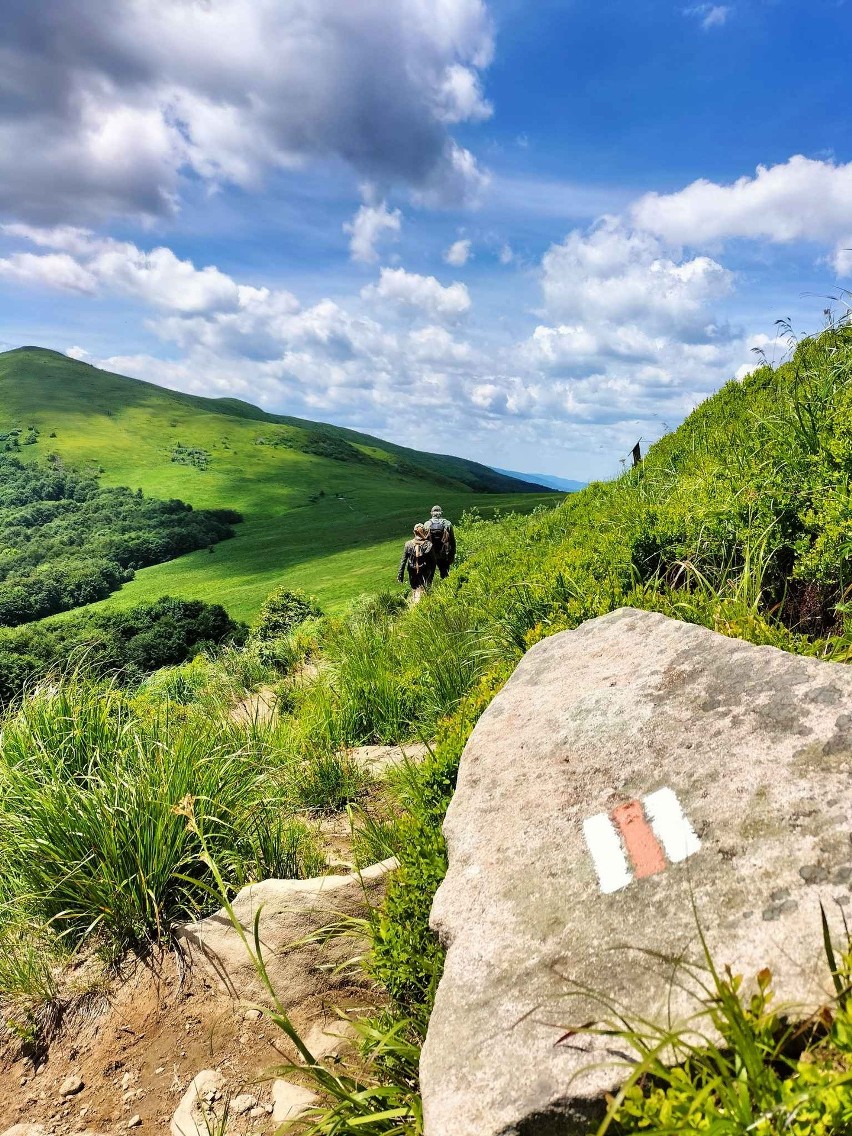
<point x="740" y="520"/>
<point x="326" y="509"/>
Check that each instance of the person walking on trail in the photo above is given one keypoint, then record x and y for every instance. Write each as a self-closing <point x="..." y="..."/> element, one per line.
<point x="443" y="539"/>
<point x="419" y="557"/>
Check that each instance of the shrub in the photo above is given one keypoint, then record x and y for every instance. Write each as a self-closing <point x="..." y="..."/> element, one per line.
<point x="283" y="611"/>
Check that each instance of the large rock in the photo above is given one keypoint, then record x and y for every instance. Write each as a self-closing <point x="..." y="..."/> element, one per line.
<point x="291" y="912"/>
<point x="626" y="770"/>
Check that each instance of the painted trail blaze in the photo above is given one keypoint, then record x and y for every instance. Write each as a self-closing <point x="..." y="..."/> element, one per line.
<point x="638" y="838"/>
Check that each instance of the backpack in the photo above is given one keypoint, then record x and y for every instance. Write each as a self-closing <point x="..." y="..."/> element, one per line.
<point x="439" y="532"/>
<point x="421" y="550"/>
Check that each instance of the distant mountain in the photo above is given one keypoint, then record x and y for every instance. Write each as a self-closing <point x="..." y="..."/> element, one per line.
<point x="546" y="479"/>
<point x="316" y="498"/>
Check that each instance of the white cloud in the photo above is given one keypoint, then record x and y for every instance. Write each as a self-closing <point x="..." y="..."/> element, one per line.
<point x="709" y="15"/>
<point x="506" y="255"/>
<point x="368" y="226"/>
<point x="54" y="270"/>
<point x="423" y="293"/>
<point x="111" y="104"/>
<point x="460" y="97"/>
<point x="88" y="263"/>
<point x="458" y="253"/>
<point x="801" y="199"/>
<point x="614" y="274"/>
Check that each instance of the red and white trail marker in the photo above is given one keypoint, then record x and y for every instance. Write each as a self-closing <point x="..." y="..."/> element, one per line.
<point x="638" y="839"/>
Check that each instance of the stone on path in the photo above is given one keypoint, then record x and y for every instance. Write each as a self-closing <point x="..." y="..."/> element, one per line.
<point x="242" y="1104"/>
<point x="25" y="1130"/>
<point x="188" y="1119"/>
<point x="378" y="759"/>
<point x="291" y="911"/>
<point x="626" y="769"/>
<point x="72" y="1085"/>
<point x="290" y="1101"/>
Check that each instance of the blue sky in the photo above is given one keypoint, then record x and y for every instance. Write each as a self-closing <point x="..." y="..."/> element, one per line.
<point x="528" y="233"/>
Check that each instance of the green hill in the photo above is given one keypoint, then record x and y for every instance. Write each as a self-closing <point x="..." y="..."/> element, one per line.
<point x="325" y="508"/>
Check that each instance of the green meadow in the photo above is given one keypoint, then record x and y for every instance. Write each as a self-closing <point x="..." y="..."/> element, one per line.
<point x="333" y="526"/>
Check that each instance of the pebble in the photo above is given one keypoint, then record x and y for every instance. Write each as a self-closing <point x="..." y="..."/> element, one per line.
<point x="252" y="1015"/>
<point x="135" y="1121"/>
<point x="243" y="1103"/>
<point x="71" y="1086"/>
<point x="813" y="874"/>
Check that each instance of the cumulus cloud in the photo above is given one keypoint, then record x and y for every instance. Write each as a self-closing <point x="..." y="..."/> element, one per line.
<point x="709" y="15"/>
<point x="423" y="293"/>
<point x="458" y="253"/>
<point x="801" y="199"/>
<point x="614" y="274"/>
<point x="54" y="270"/>
<point x="108" y="105"/>
<point x="87" y="263"/>
<point x="368" y="226"/>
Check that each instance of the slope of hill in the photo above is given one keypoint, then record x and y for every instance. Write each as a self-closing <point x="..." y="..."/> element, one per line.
<point x="324" y="507"/>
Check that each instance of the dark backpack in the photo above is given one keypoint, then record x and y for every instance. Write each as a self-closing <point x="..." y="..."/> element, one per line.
<point x="439" y="533"/>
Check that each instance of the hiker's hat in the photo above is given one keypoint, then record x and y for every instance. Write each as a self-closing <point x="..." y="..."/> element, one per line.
<point x="436" y="510"/>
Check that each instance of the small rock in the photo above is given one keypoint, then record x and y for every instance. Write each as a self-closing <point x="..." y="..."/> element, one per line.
<point x="159" y="1069"/>
<point x="813" y="874"/>
<point x="25" y="1130"/>
<point x="257" y="1113"/>
<point x="242" y="1104"/>
<point x="252" y="1015"/>
<point x="328" y="1041"/>
<point x="135" y="1121"/>
<point x="290" y="1101"/>
<point x="71" y="1086"/>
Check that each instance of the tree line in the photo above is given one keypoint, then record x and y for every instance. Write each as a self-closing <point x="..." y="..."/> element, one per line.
<point x="66" y="540"/>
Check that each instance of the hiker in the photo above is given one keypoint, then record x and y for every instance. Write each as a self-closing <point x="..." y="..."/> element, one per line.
<point x="419" y="557"/>
<point x="440" y="532"/>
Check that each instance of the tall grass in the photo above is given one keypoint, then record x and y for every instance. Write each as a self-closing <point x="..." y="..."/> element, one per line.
<point x="89" y="782"/>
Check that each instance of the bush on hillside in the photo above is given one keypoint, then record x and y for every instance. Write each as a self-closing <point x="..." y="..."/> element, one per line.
<point x="281" y="612"/>
<point x="124" y="644"/>
<point x="98" y="790"/>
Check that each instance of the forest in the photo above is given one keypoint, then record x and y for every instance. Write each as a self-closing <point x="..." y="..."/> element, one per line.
<point x="66" y="540"/>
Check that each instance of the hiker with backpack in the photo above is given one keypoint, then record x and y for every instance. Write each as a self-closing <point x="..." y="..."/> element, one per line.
<point x="419" y="557"/>
<point x="440" y="532"/>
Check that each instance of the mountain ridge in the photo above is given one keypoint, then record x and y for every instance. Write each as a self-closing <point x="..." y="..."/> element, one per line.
<point x="477" y="475"/>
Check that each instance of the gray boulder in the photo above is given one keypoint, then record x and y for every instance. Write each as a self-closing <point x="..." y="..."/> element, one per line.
<point x="631" y="774"/>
